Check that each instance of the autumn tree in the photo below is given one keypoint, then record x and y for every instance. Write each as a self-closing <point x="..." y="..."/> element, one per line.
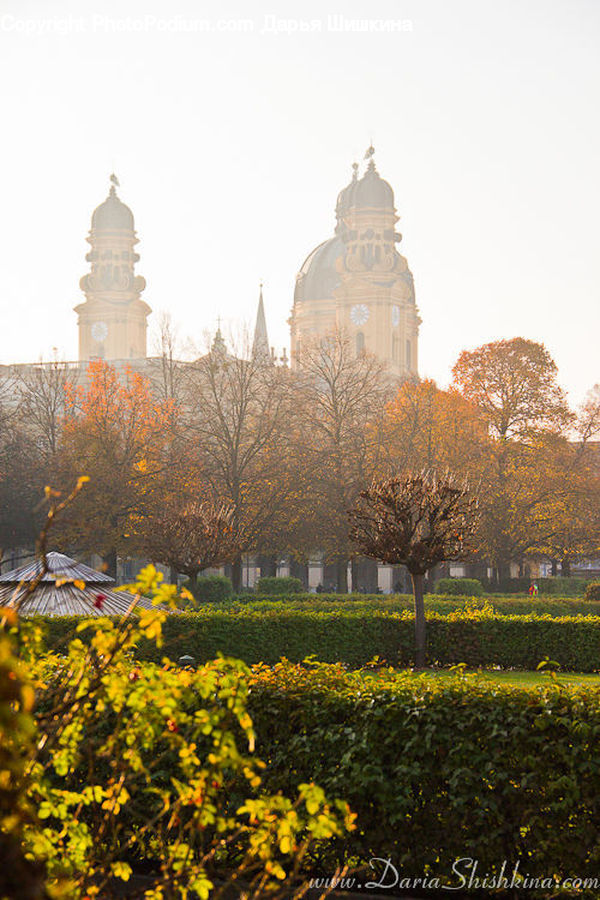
<point x="193" y="537"/>
<point x="116" y="432"/>
<point x="340" y="396"/>
<point x="426" y="427"/>
<point x="417" y="521"/>
<point x="569" y="516"/>
<point x="514" y="385"/>
<point x="513" y="382"/>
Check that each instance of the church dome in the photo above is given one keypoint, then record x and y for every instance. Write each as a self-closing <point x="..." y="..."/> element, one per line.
<point x="346" y="195"/>
<point x="112" y="215"/>
<point x="372" y="192"/>
<point x="318" y="277"/>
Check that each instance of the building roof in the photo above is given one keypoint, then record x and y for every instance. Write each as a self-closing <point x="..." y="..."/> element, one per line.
<point x="368" y="192"/>
<point x="112" y="215"/>
<point x="319" y="277"/>
<point x="91" y="595"/>
<point x="372" y="191"/>
<point x="58" y="566"/>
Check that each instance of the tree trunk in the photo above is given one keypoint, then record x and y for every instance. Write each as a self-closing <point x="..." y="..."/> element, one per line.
<point x="503" y="572"/>
<point x="110" y="562"/>
<point x="565" y="567"/>
<point x="420" y="629"/>
<point x="236" y="574"/>
<point x="554" y="568"/>
<point x="342" y="574"/>
<point x="268" y="566"/>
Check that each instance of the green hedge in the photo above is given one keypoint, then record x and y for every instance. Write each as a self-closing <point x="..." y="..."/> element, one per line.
<point x="556" y="585"/>
<point x="210" y="588"/>
<point x="503" y="603"/>
<point x="355" y="636"/>
<point x="592" y="592"/>
<point x="442" y="769"/>
<point x="282" y="585"/>
<point x="471" y="587"/>
<point x="507" y="605"/>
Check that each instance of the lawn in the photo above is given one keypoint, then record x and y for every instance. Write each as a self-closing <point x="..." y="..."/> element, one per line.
<point x="517" y="677"/>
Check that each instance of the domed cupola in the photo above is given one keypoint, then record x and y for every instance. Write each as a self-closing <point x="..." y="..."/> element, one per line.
<point x="113" y="214"/>
<point x="372" y="192"/>
<point x="345" y="200"/>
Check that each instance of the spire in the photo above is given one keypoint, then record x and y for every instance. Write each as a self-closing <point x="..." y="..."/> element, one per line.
<point x="114" y="183"/>
<point x="219" y="347"/>
<point x="260" y="345"/>
<point x="369" y="155"/>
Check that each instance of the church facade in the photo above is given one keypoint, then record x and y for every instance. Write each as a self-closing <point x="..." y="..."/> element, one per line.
<point x="358" y="283"/>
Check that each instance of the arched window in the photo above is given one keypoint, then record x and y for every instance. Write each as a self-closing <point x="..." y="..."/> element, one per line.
<point x="360" y="343"/>
<point x="408" y="355"/>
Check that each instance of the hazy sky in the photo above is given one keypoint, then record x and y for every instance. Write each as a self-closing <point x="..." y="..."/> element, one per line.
<point x="231" y="146"/>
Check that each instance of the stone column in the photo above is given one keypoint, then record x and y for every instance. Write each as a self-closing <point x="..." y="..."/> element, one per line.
<point x="283" y="568"/>
<point x="315" y="574"/>
<point x="384" y="578"/>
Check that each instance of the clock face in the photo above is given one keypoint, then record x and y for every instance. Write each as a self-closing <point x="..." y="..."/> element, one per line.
<point x="99" y="331"/>
<point x="359" y="314"/>
<point x="395" y="315"/>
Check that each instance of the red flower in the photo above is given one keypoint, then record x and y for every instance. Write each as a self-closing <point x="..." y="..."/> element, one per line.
<point x="133" y="676"/>
<point x="172" y="725"/>
<point x="99" y="601"/>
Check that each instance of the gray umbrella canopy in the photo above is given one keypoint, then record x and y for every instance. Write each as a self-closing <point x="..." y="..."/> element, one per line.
<point x="91" y="596"/>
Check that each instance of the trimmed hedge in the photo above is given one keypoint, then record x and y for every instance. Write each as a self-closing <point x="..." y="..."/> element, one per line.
<point x="470" y="587"/>
<point x="514" y="605"/>
<point x="210" y="588"/>
<point x="355" y="636"/>
<point x="441" y="769"/>
<point x="283" y="585"/>
<point x="555" y="585"/>
<point x="592" y="592"/>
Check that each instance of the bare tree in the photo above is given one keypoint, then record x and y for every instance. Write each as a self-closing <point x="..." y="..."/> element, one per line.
<point x="239" y="410"/>
<point x="42" y="393"/>
<point x="341" y="396"/>
<point x="589" y="417"/>
<point x="416" y="521"/>
<point x="166" y="370"/>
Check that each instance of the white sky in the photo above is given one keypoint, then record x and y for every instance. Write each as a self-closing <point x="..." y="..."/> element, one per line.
<point x="231" y="149"/>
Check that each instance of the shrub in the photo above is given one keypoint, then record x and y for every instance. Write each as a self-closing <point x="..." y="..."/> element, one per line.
<point x="439" y="769"/>
<point x="283" y="585"/>
<point x="122" y="761"/>
<point x="210" y="588"/>
<point x="592" y="591"/>
<point x="469" y="587"/>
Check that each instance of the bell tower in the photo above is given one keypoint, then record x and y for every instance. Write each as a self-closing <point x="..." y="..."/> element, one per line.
<point x="113" y="319"/>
